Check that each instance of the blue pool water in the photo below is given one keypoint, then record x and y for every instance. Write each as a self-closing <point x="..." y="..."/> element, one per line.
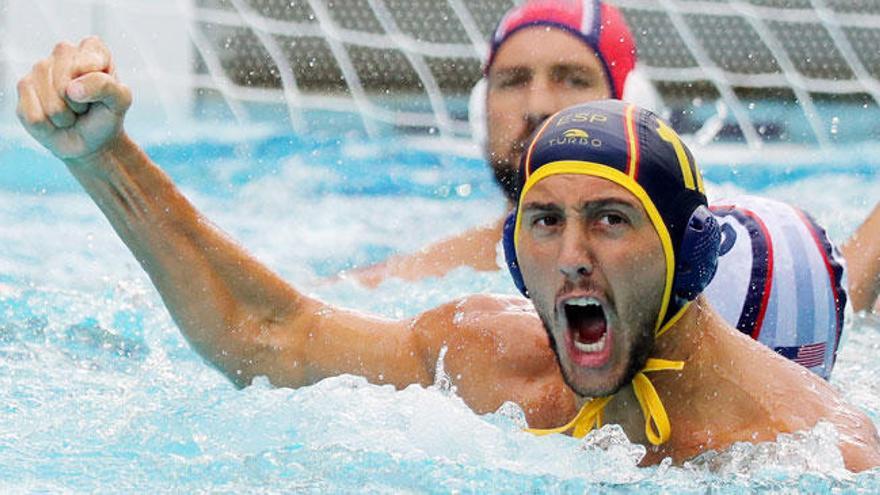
<point x="100" y="393"/>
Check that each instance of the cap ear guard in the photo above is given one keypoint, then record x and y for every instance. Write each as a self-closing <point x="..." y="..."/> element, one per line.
<point x="507" y="241"/>
<point x="697" y="255"/>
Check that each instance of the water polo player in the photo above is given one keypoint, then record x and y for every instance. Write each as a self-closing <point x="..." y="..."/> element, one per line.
<point x="612" y="241"/>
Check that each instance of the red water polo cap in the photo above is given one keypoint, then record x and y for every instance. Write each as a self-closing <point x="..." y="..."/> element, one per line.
<point x="596" y="23"/>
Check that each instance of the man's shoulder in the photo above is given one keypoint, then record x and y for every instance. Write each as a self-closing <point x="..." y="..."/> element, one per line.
<point x="495" y="350"/>
<point x="496" y="303"/>
<point x="488" y="323"/>
<point x="486" y="309"/>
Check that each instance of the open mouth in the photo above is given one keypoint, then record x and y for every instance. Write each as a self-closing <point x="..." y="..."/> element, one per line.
<point x="588" y="337"/>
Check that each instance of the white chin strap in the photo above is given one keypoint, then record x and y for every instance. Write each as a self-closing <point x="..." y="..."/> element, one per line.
<point x="639" y="91"/>
<point x="477" y="113"/>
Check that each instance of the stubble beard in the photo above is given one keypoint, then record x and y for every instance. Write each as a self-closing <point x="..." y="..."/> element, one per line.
<point x="506" y="175"/>
<point x="506" y="167"/>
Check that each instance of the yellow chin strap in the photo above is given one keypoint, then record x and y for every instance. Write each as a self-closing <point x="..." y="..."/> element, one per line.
<point x="657" y="427"/>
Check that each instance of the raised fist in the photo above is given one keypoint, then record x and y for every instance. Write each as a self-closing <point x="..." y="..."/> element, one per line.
<point x="72" y="102"/>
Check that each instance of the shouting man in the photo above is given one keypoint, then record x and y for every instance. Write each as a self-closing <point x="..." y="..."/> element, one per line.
<point x="610" y="237"/>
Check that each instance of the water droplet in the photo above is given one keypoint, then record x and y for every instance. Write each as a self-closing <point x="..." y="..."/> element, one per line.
<point x="458" y="317"/>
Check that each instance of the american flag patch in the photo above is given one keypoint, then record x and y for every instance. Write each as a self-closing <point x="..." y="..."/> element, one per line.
<point x="808" y="356"/>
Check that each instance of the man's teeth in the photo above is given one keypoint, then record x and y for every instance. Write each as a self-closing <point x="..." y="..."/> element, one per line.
<point x="583" y="301"/>
<point x="594" y="347"/>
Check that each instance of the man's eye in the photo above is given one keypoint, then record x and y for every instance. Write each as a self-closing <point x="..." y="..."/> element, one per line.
<point x="547" y="221"/>
<point x="574" y="79"/>
<point x="613" y="219"/>
<point x="578" y="82"/>
<point x="509" y="81"/>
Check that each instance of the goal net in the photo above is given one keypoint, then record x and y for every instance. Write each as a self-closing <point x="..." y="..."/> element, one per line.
<point x="744" y="71"/>
<point x="756" y="71"/>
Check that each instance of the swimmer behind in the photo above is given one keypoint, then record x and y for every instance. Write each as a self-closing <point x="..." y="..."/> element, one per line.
<point x="612" y="243"/>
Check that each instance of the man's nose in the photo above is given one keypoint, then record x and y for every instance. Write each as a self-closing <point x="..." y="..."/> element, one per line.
<point x="534" y="120"/>
<point x="575" y="261"/>
<point x="541" y="103"/>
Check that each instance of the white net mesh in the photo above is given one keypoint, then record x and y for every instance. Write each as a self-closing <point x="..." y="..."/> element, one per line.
<point x="399" y="62"/>
<point x="782" y="70"/>
<point x="756" y="71"/>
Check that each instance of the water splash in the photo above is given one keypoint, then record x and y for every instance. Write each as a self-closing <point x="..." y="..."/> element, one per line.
<point x="96" y="380"/>
<point x="442" y="380"/>
<point x="812" y="451"/>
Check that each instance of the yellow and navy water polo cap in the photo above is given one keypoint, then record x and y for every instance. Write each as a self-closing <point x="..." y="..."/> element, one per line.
<point x="637" y="150"/>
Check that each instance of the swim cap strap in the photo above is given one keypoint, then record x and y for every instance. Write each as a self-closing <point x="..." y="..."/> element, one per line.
<point x="657" y="427"/>
<point x="674" y="319"/>
<point x="588" y="418"/>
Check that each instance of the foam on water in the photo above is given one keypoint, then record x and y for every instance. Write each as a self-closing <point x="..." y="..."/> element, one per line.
<point x="99" y="392"/>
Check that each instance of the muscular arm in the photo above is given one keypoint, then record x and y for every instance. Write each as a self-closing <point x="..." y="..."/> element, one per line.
<point x="862" y="254"/>
<point x="233" y="310"/>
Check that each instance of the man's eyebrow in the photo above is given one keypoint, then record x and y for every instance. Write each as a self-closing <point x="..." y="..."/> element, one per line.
<point x="575" y="67"/>
<point x="536" y="206"/>
<point x="570" y="66"/>
<point x="610" y="200"/>
<point x="587" y="206"/>
<point x="507" y="71"/>
<point x="606" y="202"/>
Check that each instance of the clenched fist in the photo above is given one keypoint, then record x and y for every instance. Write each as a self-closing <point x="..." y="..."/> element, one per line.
<point x="72" y="102"/>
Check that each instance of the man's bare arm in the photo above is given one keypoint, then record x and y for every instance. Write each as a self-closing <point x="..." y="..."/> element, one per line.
<point x="233" y="310"/>
<point x="862" y="254"/>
